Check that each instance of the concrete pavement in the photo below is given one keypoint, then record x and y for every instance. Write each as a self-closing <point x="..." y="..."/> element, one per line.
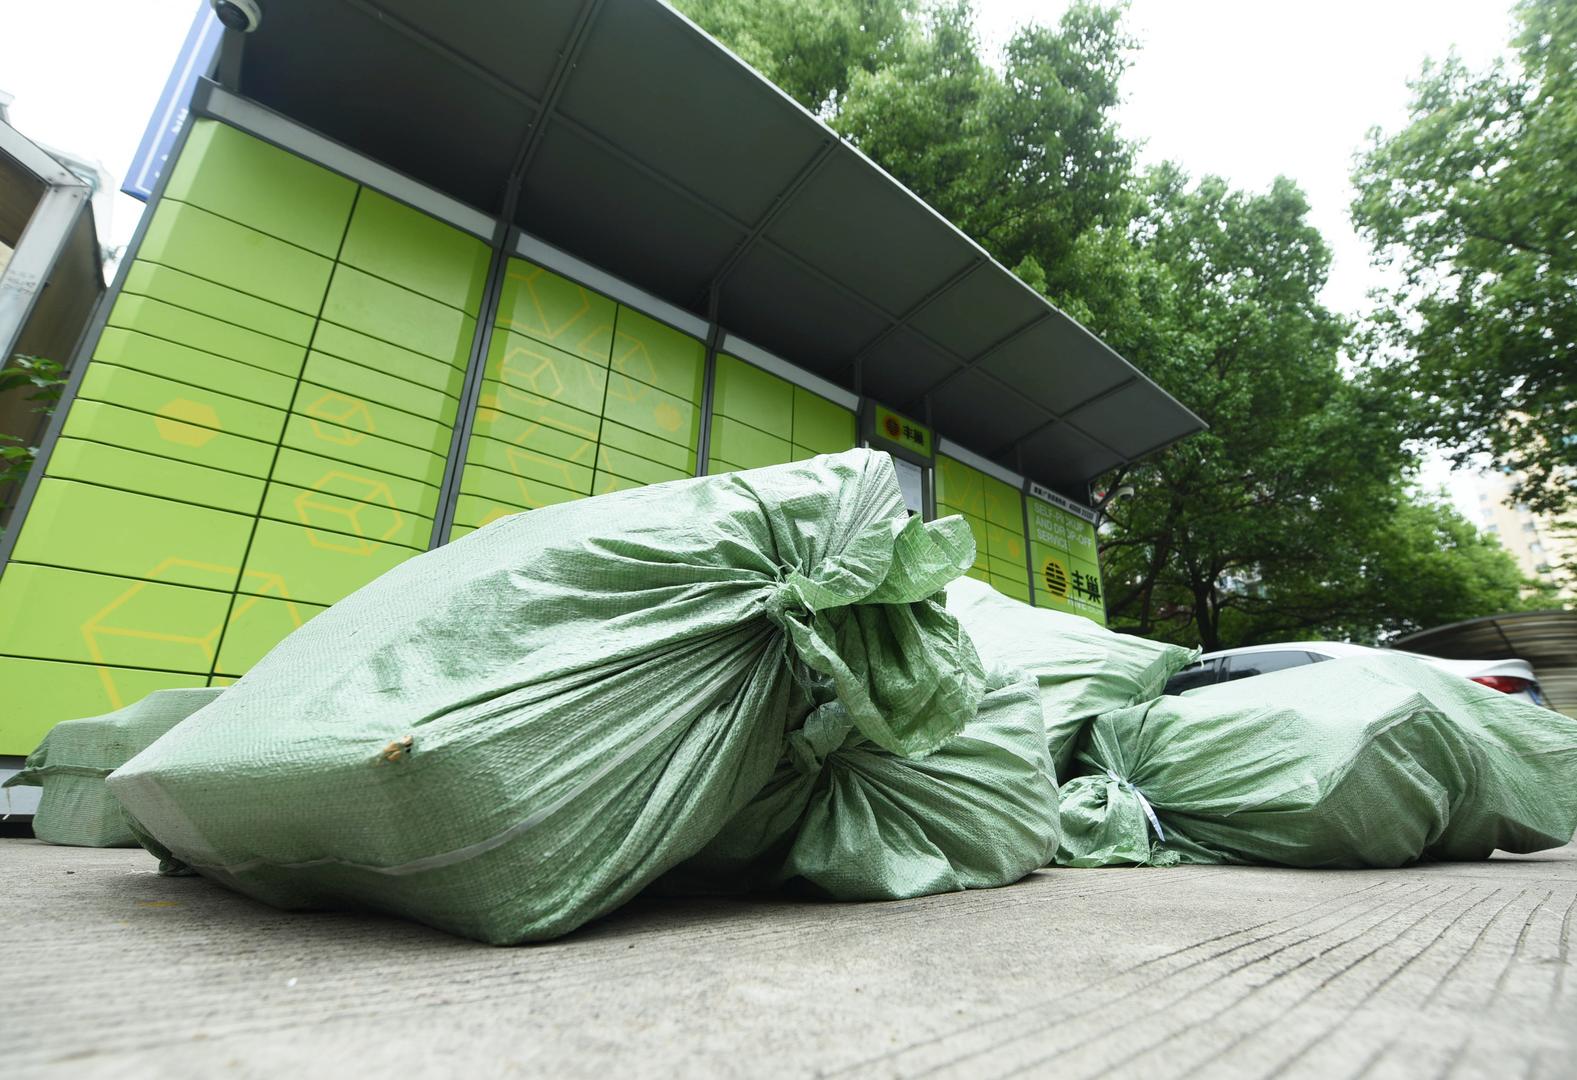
<point x="1457" y="970"/>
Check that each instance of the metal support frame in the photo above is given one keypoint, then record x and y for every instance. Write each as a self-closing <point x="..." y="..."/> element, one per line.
<point x="470" y="390"/>
<point x="714" y="336"/>
<point x="505" y="237"/>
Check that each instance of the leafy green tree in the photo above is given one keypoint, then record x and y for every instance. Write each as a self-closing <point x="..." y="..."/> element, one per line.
<point x="809" y="48"/>
<point x="1281" y="518"/>
<point x="1475" y="202"/>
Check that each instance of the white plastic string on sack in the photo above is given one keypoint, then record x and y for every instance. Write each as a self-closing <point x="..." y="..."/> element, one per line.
<point x="1144" y="803"/>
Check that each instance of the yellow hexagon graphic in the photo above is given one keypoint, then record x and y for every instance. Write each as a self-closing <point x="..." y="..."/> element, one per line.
<point x="187" y="422"/>
<point x="667" y="417"/>
<point x="369" y="515"/>
<point x="347" y="413"/>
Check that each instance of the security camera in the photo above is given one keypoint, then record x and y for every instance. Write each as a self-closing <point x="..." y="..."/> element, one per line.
<point x="242" y="15"/>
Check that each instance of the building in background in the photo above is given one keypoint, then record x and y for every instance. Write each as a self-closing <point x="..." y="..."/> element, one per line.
<point x="1544" y="548"/>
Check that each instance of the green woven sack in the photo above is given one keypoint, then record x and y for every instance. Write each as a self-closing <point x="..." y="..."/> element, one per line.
<point x="513" y="734"/>
<point x="845" y="819"/>
<point x="1368" y="762"/>
<point x="70" y="764"/>
<point x="1083" y="668"/>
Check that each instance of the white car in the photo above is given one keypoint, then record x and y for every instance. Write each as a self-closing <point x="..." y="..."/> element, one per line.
<point x="1514" y="677"/>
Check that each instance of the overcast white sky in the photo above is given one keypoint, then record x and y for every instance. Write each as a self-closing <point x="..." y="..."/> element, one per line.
<point x="1246" y="89"/>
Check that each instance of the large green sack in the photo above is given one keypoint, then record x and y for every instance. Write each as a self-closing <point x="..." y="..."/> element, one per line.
<point x="1083" y="668"/>
<point x="1367" y="762"/>
<point x="845" y="819"/>
<point x="513" y="734"/>
<point x="70" y="764"/>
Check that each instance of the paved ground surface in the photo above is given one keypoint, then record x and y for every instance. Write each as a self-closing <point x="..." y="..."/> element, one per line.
<point x="1453" y="970"/>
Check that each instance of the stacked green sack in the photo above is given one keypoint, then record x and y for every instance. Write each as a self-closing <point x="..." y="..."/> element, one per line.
<point x="845" y="819"/>
<point x="1083" y="669"/>
<point x="70" y="764"/>
<point x="1368" y="762"/>
<point x="515" y="733"/>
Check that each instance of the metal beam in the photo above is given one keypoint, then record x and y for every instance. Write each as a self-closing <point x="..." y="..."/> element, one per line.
<point x="439" y="49"/>
<point x="579" y="34"/>
<point x="913" y="310"/>
<point x="33" y="261"/>
<point x="32" y="157"/>
<point x="779" y="203"/>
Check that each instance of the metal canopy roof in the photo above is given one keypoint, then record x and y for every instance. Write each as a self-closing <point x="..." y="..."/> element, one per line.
<point x="622" y="133"/>
<point x="1545" y="639"/>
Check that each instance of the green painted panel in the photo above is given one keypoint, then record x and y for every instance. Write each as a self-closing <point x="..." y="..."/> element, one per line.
<point x="40" y="694"/>
<point x="129" y="349"/>
<point x="629" y="466"/>
<point x="556" y="311"/>
<point x="359" y="301"/>
<point x="520" y="363"/>
<point x="185" y="403"/>
<point x="113" y="466"/>
<point x="314" y="565"/>
<point x="323" y="404"/>
<point x="457" y="531"/>
<point x="365" y="383"/>
<point x="1004" y="504"/>
<point x="960" y="486"/>
<point x="58" y="614"/>
<point x="407" y="247"/>
<point x="198" y="331"/>
<point x="821" y="425"/>
<point x="493" y="397"/>
<point x="752" y="449"/>
<point x="357" y="446"/>
<point x="978" y="575"/>
<point x="195" y="294"/>
<point x="511" y="490"/>
<point x="355" y="482"/>
<point x="256" y="625"/>
<point x="1017" y="588"/>
<point x="191" y="239"/>
<point x="640" y="443"/>
<point x="658" y="355"/>
<point x="223" y="680"/>
<point x="1005" y="543"/>
<point x="167" y="437"/>
<point x="250" y="181"/>
<point x="530" y="464"/>
<point x="529" y="435"/>
<point x="390" y="359"/>
<point x="488" y="489"/>
<point x="1002" y="567"/>
<point x="714" y="467"/>
<point x="153" y="538"/>
<point x="371" y="514"/>
<point x="745" y="393"/>
<point x="473" y="511"/>
<point x="646" y="408"/>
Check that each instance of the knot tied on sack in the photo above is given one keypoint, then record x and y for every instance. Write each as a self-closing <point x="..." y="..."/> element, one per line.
<point x="863" y="624"/>
<point x="825" y="730"/>
<point x="1144" y="803"/>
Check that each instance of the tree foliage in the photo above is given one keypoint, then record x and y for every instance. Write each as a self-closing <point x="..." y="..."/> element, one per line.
<point x="1291" y="516"/>
<point x="1475" y="202"/>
